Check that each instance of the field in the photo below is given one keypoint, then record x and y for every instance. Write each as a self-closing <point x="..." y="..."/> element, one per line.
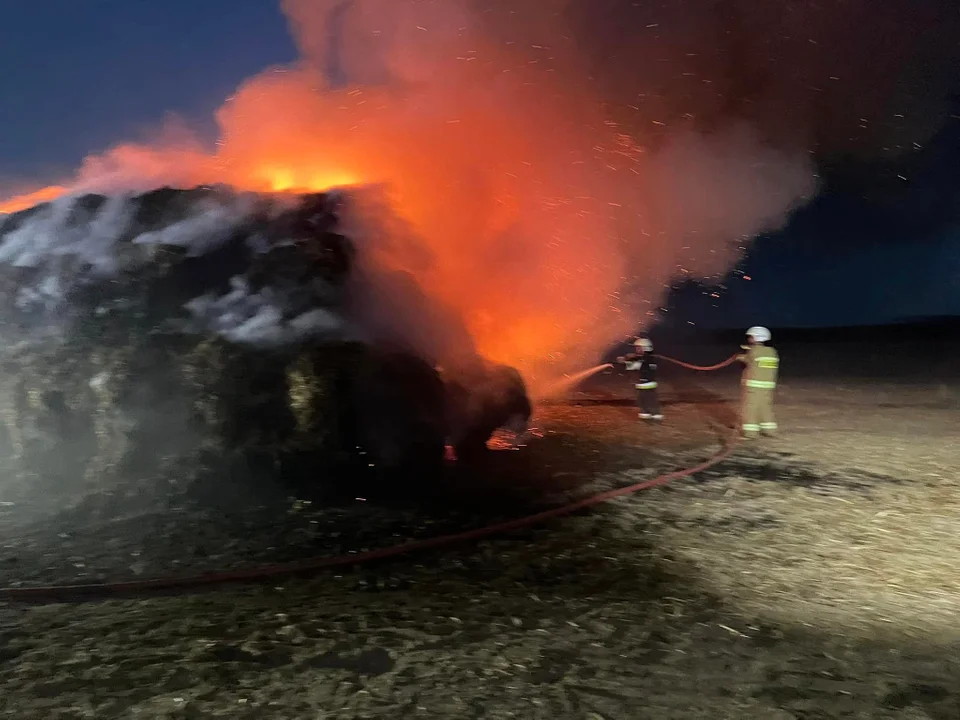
<point x="810" y="576"/>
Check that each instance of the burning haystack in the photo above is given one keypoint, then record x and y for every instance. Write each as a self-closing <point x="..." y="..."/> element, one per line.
<point x="181" y="333"/>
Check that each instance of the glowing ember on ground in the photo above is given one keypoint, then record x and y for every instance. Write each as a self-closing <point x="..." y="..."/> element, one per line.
<point x="503" y="440"/>
<point x="508" y="440"/>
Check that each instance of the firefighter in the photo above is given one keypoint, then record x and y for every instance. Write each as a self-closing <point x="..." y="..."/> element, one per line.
<point x="644" y="363"/>
<point x="761" y="367"/>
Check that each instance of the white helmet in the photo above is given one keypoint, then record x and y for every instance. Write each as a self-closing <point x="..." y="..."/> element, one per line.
<point x="644" y="344"/>
<point x="759" y="333"/>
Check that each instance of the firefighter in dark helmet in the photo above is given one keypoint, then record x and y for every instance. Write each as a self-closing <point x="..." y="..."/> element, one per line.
<point x="761" y="368"/>
<point x="643" y="362"/>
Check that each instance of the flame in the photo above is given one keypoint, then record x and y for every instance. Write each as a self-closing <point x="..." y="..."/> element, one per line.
<point x="28" y="200"/>
<point x="282" y="179"/>
<point x="507" y="244"/>
<point x="515" y="258"/>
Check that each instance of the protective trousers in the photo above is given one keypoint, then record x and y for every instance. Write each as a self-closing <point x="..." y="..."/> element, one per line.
<point x="757" y="412"/>
<point x="649" y="404"/>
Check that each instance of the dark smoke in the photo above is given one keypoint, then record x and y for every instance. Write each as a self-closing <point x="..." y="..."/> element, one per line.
<point x="856" y="78"/>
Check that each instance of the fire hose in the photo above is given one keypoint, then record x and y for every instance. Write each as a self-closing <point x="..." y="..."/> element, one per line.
<point x="702" y="368"/>
<point x="49" y="594"/>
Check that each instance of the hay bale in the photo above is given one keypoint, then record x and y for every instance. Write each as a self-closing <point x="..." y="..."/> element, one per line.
<point x="150" y="335"/>
<point x="182" y="334"/>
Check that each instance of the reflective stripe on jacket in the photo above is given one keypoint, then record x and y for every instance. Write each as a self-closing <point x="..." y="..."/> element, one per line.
<point x="761" y="367"/>
<point x="646" y="368"/>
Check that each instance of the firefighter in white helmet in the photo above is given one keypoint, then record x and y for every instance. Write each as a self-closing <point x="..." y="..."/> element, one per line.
<point x="761" y="368"/>
<point x="644" y="363"/>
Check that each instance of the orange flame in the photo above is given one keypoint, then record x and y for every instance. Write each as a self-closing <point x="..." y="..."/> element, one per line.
<point x="286" y="180"/>
<point x="498" y="188"/>
<point x="514" y="251"/>
<point x="28" y="200"/>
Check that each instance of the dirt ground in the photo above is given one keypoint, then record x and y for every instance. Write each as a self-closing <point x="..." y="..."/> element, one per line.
<point x="810" y="576"/>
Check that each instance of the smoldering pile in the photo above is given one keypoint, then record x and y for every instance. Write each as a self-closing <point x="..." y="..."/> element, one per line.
<point x="181" y="335"/>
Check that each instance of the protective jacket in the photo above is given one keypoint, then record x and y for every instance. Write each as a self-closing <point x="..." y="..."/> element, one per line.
<point x="761" y="367"/>
<point x="646" y="368"/>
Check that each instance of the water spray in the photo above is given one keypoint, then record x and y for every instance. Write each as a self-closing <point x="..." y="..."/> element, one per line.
<point x="569" y="381"/>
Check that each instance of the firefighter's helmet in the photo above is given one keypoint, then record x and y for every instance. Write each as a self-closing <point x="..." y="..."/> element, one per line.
<point x="643" y="344"/>
<point x="759" y="333"/>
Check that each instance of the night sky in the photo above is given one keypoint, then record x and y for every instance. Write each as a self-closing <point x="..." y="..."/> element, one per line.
<point x="869" y="88"/>
<point x="79" y="76"/>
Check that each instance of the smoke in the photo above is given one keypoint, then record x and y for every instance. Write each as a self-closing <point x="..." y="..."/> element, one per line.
<point x="859" y="78"/>
<point x="521" y="214"/>
<point x="550" y="229"/>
